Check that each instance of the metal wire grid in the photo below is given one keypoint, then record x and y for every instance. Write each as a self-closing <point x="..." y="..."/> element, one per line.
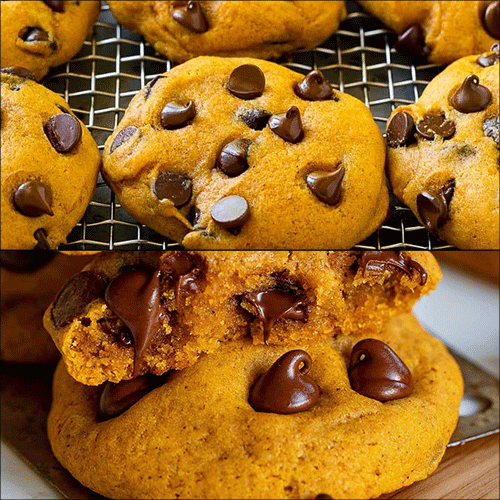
<point x="115" y="64"/>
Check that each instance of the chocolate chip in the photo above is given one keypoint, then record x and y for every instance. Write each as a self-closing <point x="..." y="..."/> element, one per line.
<point x="175" y="115"/>
<point x="55" y="5"/>
<point x="288" y="126"/>
<point x="117" y="398"/>
<point x="412" y="42"/>
<point x="286" y="388"/>
<point x="256" y="119"/>
<point x="400" y="130"/>
<point x="191" y="17"/>
<point x="323" y="496"/>
<point x="175" y="187"/>
<point x="326" y="186"/>
<point x="149" y="87"/>
<point x="40" y="236"/>
<point x="491" y="19"/>
<point x="231" y="212"/>
<point x="489" y="59"/>
<point x="20" y="72"/>
<point x="64" y="132"/>
<point x="490" y="128"/>
<point x="377" y="262"/>
<point x="123" y="136"/>
<point x="377" y="372"/>
<point x="273" y="304"/>
<point x="471" y="97"/>
<point x="32" y="34"/>
<point x="134" y="296"/>
<point x="433" y="125"/>
<point x="314" y="87"/>
<point x="25" y="261"/>
<point x="247" y="82"/>
<point x="33" y="199"/>
<point x="183" y="271"/>
<point x="233" y="157"/>
<point x="76" y="295"/>
<point x="433" y="208"/>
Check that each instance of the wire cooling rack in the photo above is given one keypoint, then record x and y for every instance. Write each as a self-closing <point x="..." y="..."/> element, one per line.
<point x="115" y="64"/>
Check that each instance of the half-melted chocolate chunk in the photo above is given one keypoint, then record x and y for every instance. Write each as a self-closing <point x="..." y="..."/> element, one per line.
<point x="377" y="372"/>
<point x="76" y="295"/>
<point x="134" y="296"/>
<point x="377" y="262"/>
<point x="25" y="261"/>
<point x="273" y="304"/>
<point x="286" y="387"/>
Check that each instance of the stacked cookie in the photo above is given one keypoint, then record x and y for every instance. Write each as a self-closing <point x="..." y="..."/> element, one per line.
<point x="261" y="375"/>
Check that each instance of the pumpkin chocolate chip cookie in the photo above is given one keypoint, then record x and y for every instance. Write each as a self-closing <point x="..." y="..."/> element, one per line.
<point x="349" y="417"/>
<point x="50" y="164"/>
<point x="443" y="155"/>
<point x="242" y="153"/>
<point x="132" y="313"/>
<point x="39" y="35"/>
<point x="441" y="31"/>
<point x="183" y="30"/>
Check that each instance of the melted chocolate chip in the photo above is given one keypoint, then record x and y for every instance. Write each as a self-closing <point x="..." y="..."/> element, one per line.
<point x="490" y="128"/>
<point x="377" y="372"/>
<point x="25" y="261"/>
<point x="191" y="17"/>
<point x="400" y="130"/>
<point x="377" y="262"/>
<point x="471" y="97"/>
<point x="256" y="119"/>
<point x="491" y="19"/>
<point x="175" y="115"/>
<point x="273" y="304"/>
<point x="32" y="34"/>
<point x="149" y="87"/>
<point x="231" y="212"/>
<point x="64" y="132"/>
<point x="288" y="126"/>
<point x="76" y="295"/>
<point x="123" y="136"/>
<point x="175" y="187"/>
<point x="55" y="5"/>
<point x="247" y="82"/>
<point x="433" y="125"/>
<point x="326" y="186"/>
<point x="117" y="398"/>
<point x="433" y="208"/>
<point x="33" y="199"/>
<point x="40" y="236"/>
<point x="20" y="72"/>
<point x="286" y="388"/>
<point x="233" y="157"/>
<point x="184" y="271"/>
<point x="412" y="42"/>
<point x="134" y="296"/>
<point x="314" y="87"/>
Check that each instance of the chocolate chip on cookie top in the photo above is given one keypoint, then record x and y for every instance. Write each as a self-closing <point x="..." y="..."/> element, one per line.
<point x="400" y="130"/>
<point x="489" y="58"/>
<point x="491" y="19"/>
<point x="490" y="129"/>
<point x="55" y="5"/>
<point x="231" y="212"/>
<point x="433" y="125"/>
<point x="327" y="186"/>
<point x="175" y="115"/>
<point x="315" y="87"/>
<point x="286" y="387"/>
<point x="33" y="199"/>
<point x="64" y="132"/>
<point x="123" y="137"/>
<point x="377" y="372"/>
<point x="433" y="207"/>
<point x="175" y="187"/>
<point x="471" y="97"/>
<point x="247" y="82"/>
<point x="190" y="15"/>
<point x="233" y="157"/>
<point x="273" y="304"/>
<point x="377" y="262"/>
<point x="288" y="125"/>
<point x="412" y="42"/>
